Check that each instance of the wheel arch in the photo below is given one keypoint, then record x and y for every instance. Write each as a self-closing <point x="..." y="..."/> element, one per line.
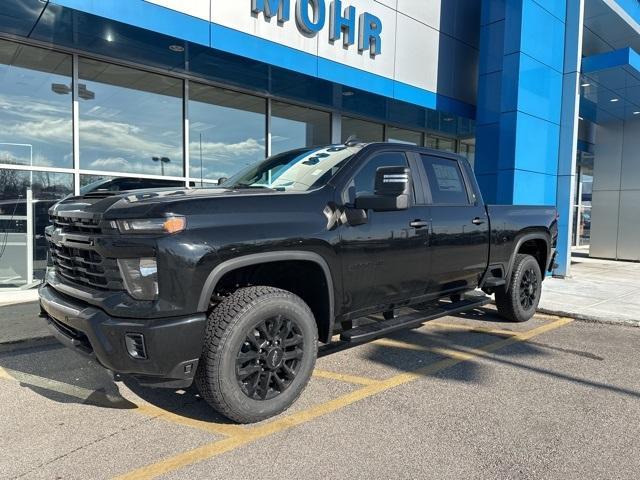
<point x="522" y="246"/>
<point x="325" y="322"/>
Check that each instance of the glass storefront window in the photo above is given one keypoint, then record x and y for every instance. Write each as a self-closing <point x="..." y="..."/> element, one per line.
<point x="364" y="131"/>
<point x="26" y="195"/>
<point x="130" y="121"/>
<point x="226" y="131"/>
<point x="399" y="135"/>
<point x="297" y="127"/>
<point x="468" y="150"/>
<point x="441" y="143"/>
<point x="35" y="106"/>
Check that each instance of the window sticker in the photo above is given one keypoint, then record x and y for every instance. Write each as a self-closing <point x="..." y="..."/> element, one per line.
<point x="448" y="178"/>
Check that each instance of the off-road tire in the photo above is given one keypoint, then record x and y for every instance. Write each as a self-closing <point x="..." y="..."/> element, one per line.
<point x="227" y="330"/>
<point x="510" y="299"/>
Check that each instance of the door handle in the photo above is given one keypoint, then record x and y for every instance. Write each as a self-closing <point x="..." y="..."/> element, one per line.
<point x="477" y="221"/>
<point x="419" y="224"/>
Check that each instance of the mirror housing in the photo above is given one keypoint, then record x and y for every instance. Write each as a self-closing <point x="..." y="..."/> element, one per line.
<point x="392" y="191"/>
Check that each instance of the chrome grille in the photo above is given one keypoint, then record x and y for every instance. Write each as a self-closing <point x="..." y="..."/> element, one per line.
<point x="75" y="224"/>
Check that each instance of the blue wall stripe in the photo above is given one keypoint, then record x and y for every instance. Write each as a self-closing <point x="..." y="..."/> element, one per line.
<point x="250" y="46"/>
<point x="145" y="15"/>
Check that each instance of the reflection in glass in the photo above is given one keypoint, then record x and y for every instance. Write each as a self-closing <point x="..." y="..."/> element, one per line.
<point x="46" y="188"/>
<point x="226" y="131"/>
<point x="363" y="131"/>
<point x="441" y="143"/>
<point x="468" y="150"/>
<point x="296" y="127"/>
<point x="129" y="117"/>
<point x="297" y="170"/>
<point x="400" y="135"/>
<point x="100" y="183"/>
<point x="35" y="106"/>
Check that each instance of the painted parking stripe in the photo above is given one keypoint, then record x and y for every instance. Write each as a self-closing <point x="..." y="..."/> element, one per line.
<point x="343" y="377"/>
<point x="253" y="434"/>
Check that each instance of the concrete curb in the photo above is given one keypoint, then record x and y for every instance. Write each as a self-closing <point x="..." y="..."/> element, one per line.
<point x="591" y="318"/>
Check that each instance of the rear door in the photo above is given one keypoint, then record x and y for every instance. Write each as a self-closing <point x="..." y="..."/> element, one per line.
<point x="386" y="259"/>
<point x="459" y="237"/>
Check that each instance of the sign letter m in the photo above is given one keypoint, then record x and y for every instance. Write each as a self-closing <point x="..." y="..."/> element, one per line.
<point x="270" y="7"/>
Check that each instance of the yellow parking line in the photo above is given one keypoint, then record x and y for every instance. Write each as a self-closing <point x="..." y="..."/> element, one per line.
<point x="211" y="427"/>
<point x="4" y="375"/>
<point x="253" y="434"/>
<point x="343" y="377"/>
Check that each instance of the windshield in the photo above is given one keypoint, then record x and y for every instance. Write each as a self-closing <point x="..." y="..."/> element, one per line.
<point x="295" y="171"/>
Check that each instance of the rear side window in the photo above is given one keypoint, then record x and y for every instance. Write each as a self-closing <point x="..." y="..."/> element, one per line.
<point x="445" y="180"/>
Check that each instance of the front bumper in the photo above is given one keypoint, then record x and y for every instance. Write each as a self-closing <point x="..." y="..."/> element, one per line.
<point x="172" y="345"/>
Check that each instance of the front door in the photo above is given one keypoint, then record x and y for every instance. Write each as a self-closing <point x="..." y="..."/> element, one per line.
<point x="386" y="259"/>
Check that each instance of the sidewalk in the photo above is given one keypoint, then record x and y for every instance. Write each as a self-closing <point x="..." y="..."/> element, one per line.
<point x="602" y="291"/>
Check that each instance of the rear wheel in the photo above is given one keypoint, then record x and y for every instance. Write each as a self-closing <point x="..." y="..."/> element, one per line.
<point x="259" y="352"/>
<point x="518" y="301"/>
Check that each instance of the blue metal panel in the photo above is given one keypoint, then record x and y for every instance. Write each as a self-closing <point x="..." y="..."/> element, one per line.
<point x="555" y="7"/>
<point x="492" y="38"/>
<point x="145" y="15"/>
<point x="356" y="78"/>
<point x="539" y="89"/>
<point x="250" y="46"/>
<point x="529" y="188"/>
<point x="492" y="11"/>
<point x="75" y="29"/>
<point x="489" y="94"/>
<point x="530" y="141"/>
<point x="542" y="35"/>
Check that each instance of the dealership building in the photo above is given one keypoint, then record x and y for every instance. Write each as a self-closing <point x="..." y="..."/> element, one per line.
<point x="542" y="97"/>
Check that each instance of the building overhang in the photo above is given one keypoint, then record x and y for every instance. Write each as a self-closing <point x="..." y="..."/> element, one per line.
<point x="610" y="86"/>
<point x="145" y="33"/>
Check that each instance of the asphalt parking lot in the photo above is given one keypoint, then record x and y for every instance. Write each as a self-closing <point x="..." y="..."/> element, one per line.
<point x="463" y="397"/>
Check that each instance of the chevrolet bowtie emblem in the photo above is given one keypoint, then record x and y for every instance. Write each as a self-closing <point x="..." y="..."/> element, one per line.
<point x="57" y="237"/>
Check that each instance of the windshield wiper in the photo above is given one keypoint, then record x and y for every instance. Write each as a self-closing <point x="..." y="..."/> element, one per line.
<point x="249" y="186"/>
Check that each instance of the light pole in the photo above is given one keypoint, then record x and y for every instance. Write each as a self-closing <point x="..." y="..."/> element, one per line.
<point x="162" y="161"/>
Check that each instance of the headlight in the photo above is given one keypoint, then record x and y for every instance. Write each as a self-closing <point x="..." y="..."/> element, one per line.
<point x="172" y="224"/>
<point x="140" y="277"/>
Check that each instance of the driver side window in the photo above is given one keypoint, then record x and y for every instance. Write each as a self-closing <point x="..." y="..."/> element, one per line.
<point x="363" y="183"/>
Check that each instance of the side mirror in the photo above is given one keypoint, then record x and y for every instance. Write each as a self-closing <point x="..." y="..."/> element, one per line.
<point x="221" y="180"/>
<point x="392" y="191"/>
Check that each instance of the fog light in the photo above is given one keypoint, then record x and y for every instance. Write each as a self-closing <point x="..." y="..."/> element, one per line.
<point x="140" y="276"/>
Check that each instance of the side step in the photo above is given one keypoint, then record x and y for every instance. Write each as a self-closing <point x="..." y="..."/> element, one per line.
<point x="366" y="333"/>
<point x="493" y="282"/>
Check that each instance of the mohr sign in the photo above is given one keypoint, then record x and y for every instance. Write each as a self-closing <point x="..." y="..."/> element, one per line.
<point x="311" y="18"/>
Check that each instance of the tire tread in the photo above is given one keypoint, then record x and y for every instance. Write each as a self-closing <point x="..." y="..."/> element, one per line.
<point x="220" y="322"/>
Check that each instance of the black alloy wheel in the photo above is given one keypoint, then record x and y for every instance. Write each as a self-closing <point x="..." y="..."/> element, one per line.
<point x="518" y="300"/>
<point x="269" y="359"/>
<point x="528" y="289"/>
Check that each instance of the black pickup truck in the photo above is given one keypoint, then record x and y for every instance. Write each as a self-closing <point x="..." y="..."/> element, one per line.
<point x="234" y="286"/>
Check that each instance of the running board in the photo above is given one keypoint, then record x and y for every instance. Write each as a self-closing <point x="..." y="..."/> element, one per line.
<point x="366" y="333"/>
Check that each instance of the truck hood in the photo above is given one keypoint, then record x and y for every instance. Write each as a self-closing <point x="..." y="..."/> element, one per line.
<point x="141" y="203"/>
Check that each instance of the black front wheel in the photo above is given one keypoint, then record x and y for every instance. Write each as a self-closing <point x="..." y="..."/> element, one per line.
<point x="260" y="349"/>
<point x="519" y="300"/>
